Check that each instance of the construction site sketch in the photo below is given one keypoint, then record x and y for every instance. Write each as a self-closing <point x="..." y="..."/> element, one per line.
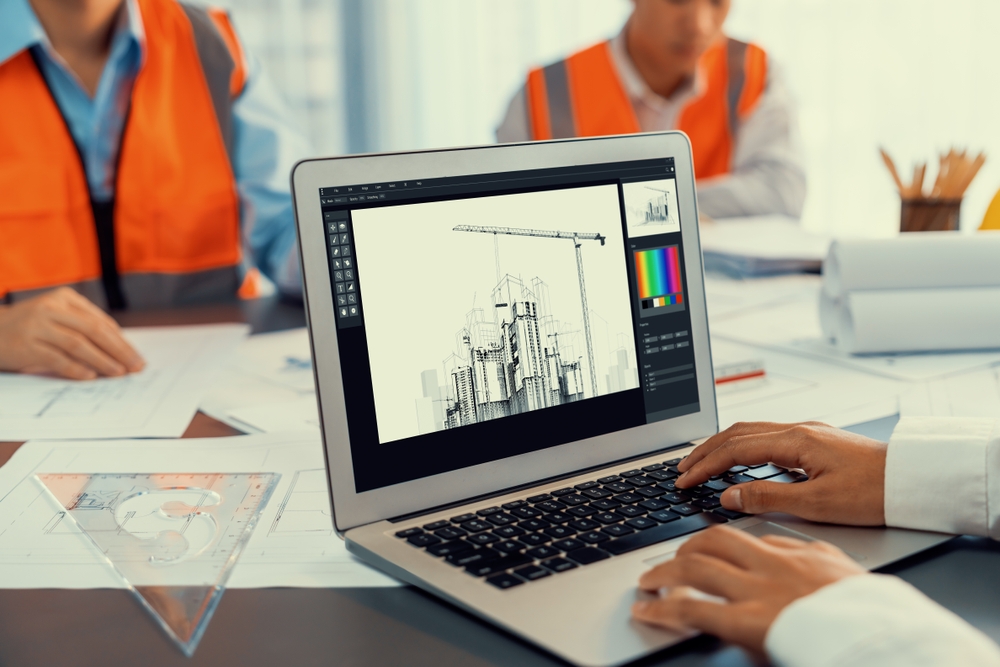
<point x="172" y="538"/>
<point x="294" y="544"/>
<point x="157" y="402"/>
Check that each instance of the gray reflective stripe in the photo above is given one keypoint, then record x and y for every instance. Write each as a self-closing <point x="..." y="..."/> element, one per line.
<point x="217" y="64"/>
<point x="158" y="290"/>
<point x="736" y="63"/>
<point x="560" y="104"/>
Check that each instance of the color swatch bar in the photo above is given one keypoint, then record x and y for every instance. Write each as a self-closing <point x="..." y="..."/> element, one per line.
<point x="658" y="272"/>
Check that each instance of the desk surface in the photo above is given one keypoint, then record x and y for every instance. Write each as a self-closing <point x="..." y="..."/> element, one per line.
<point x="359" y="626"/>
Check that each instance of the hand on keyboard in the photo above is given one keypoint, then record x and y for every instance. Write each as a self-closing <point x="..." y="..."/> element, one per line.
<point x="846" y="471"/>
<point x="755" y="577"/>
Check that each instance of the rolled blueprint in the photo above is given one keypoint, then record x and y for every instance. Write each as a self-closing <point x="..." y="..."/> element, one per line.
<point x="917" y="320"/>
<point x="913" y="261"/>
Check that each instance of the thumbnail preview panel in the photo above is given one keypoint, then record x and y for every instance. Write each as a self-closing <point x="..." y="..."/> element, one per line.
<point x="651" y="207"/>
<point x="474" y="307"/>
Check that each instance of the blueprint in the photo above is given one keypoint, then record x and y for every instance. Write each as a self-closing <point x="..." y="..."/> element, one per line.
<point x="293" y="545"/>
<point x="156" y="402"/>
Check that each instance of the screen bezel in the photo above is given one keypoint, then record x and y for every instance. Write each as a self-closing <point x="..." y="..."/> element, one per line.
<point x="352" y="509"/>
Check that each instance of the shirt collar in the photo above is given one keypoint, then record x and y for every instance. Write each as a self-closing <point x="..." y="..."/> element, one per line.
<point x="20" y="28"/>
<point x="636" y="86"/>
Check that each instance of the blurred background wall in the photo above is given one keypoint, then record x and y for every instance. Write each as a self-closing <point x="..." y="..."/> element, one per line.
<point x="916" y="76"/>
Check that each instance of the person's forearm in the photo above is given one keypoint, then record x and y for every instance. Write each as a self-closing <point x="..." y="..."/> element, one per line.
<point x="875" y="621"/>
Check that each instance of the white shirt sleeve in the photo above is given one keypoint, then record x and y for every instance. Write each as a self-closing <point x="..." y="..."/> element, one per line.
<point x="958" y="454"/>
<point x="514" y="126"/>
<point x="875" y="621"/>
<point x="768" y="176"/>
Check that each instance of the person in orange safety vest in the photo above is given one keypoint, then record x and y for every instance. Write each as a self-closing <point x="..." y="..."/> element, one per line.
<point x="141" y="166"/>
<point x="673" y="67"/>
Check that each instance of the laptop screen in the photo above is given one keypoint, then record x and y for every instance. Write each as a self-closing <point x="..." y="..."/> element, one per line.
<point x="483" y="317"/>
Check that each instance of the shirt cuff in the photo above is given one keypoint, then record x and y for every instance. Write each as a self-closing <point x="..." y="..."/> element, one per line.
<point x="936" y="475"/>
<point x="874" y="620"/>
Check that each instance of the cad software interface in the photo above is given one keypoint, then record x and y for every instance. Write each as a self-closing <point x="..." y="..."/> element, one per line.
<point x="482" y="317"/>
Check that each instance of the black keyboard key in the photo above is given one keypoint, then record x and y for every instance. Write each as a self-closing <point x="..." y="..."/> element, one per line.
<point x="717" y="485"/>
<point x="465" y="558"/>
<point x="607" y="517"/>
<point x="409" y="532"/>
<point x="684" y="510"/>
<point x="617" y="530"/>
<point x="584" y="525"/>
<point x="787" y="478"/>
<point x="619" y="487"/>
<point x="664" y="516"/>
<point x="609" y="479"/>
<point x="507" y="532"/>
<point x="498" y="565"/>
<point x="676" y="498"/>
<point x="730" y="514"/>
<point x="764" y="472"/>
<point x="423" y="540"/>
<point x="650" y="492"/>
<point x="586" y="485"/>
<point x="486" y="511"/>
<point x="558" y="564"/>
<point x="641" y="523"/>
<point x="533" y="524"/>
<point x="674" y="469"/>
<point x="462" y="518"/>
<point x="541" y="497"/>
<point x="436" y="525"/>
<point x="654" y="504"/>
<point x="605" y="504"/>
<point x="738" y="469"/>
<point x="630" y="511"/>
<point x="700" y="492"/>
<point x="631" y="473"/>
<point x="567" y="545"/>
<point x="449" y="548"/>
<point x="557" y="517"/>
<point x="582" y="511"/>
<point x="534" y="539"/>
<point x="558" y="493"/>
<point x="501" y="519"/>
<point x="593" y="538"/>
<point x="596" y="494"/>
<point x="505" y="581"/>
<point x="482" y="539"/>
<point x="542" y="553"/>
<point x="573" y="500"/>
<point x="661" y="475"/>
<point x="641" y="481"/>
<point x="672" y="462"/>
<point x="476" y="526"/>
<point x="513" y="505"/>
<point x="525" y="512"/>
<point x="668" y="485"/>
<point x="550" y="506"/>
<point x="706" y="503"/>
<point x="507" y="547"/>
<point x="738" y="479"/>
<point x="587" y="555"/>
<point x="450" y="533"/>
<point x="628" y="498"/>
<point x="667" y="531"/>
<point x="559" y="532"/>
<point x="532" y="572"/>
<point x="654" y="467"/>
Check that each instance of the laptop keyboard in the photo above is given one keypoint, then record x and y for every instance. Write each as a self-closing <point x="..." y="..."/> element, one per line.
<point x="550" y="533"/>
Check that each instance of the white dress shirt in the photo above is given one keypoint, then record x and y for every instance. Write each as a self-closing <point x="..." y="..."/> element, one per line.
<point x="877" y="620"/>
<point x="767" y="177"/>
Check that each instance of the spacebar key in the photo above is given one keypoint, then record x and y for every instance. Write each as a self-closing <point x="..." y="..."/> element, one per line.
<point x="667" y="531"/>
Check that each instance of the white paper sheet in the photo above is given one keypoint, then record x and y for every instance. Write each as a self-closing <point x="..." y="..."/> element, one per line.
<point x="761" y="245"/>
<point x="298" y="415"/>
<point x="157" y="402"/>
<point x="267" y="369"/>
<point x="975" y="394"/>
<point x="293" y="545"/>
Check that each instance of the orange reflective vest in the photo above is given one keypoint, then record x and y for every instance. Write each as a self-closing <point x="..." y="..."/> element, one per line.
<point x="172" y="234"/>
<point x="582" y="96"/>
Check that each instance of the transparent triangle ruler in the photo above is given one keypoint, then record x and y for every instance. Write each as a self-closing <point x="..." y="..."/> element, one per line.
<point x="172" y="538"/>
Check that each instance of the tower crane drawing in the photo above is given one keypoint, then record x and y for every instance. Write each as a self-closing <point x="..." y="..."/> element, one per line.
<point x="576" y="238"/>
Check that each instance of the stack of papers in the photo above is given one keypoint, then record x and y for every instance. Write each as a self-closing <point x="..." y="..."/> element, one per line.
<point x="761" y="246"/>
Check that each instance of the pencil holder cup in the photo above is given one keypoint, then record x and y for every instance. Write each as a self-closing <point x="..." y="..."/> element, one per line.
<point x="929" y="215"/>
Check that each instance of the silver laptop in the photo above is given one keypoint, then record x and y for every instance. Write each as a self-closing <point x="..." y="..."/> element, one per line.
<point x="512" y="354"/>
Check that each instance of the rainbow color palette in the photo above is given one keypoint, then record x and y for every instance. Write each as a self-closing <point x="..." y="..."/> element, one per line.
<point x="658" y="274"/>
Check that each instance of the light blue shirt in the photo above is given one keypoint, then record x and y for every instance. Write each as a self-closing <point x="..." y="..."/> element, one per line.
<point x="264" y="145"/>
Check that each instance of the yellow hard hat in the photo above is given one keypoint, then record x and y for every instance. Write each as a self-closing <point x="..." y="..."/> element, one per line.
<point x="992" y="218"/>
